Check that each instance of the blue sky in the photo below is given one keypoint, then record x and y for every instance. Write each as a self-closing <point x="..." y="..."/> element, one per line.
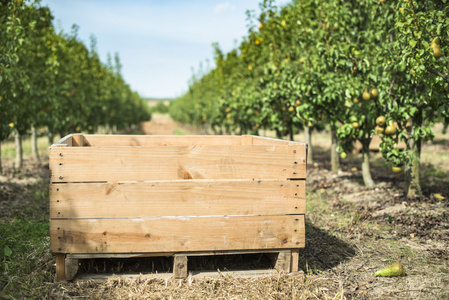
<point x="158" y="41"/>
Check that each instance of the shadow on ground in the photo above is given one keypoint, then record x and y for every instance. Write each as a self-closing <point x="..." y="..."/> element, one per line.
<point x="323" y="251"/>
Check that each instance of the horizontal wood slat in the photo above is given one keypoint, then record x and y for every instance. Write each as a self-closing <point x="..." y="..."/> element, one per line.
<point x="261" y="140"/>
<point x="87" y="164"/>
<point x="177" y="198"/>
<point x="160" y="140"/>
<point x="176" y="234"/>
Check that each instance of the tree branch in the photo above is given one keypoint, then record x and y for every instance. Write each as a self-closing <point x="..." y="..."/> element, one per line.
<point x="414" y="13"/>
<point x="435" y="72"/>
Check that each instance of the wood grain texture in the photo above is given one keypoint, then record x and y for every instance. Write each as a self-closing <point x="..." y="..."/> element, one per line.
<point x="295" y="260"/>
<point x="176" y="234"/>
<point x="160" y="140"/>
<point x="87" y="164"/>
<point x="177" y="198"/>
<point x="60" y="267"/>
<point x="180" y="266"/>
<point x="260" y="140"/>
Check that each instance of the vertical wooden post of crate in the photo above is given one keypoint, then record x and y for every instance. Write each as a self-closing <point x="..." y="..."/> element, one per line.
<point x="66" y="268"/>
<point x="285" y="260"/>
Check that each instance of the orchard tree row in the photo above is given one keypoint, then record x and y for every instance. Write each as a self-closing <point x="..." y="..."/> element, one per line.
<point x="359" y="67"/>
<point x="50" y="80"/>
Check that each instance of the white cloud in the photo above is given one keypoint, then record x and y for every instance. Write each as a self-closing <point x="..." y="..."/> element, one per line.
<point x="223" y="7"/>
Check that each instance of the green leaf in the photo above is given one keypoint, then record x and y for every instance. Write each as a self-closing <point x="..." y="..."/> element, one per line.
<point x="7" y="251"/>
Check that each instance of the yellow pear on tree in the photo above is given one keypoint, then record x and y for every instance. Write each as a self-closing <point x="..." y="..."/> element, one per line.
<point x="379" y="129"/>
<point x="435" y="45"/>
<point x="374" y="93"/>
<point x="391" y="129"/>
<point x="437" y="52"/>
<point x="380" y="121"/>
<point x="366" y="95"/>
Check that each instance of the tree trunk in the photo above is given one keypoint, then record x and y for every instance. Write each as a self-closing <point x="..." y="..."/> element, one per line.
<point x="412" y="183"/>
<point x="1" y="166"/>
<point x="19" y="150"/>
<point x="335" y="159"/>
<point x="366" y="172"/>
<point x="34" y="148"/>
<point x="50" y="138"/>
<point x="308" y="137"/>
<point x="278" y="134"/>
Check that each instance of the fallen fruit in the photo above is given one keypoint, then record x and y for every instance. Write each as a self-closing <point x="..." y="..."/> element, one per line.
<point x="394" y="270"/>
<point x="396" y="169"/>
<point x="343" y="155"/>
<point x="438" y="196"/>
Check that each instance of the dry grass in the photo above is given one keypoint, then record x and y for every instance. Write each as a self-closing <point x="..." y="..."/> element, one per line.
<point x="350" y="233"/>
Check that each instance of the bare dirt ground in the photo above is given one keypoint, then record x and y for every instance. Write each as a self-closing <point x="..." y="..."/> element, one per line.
<point x="159" y="125"/>
<point x="351" y="232"/>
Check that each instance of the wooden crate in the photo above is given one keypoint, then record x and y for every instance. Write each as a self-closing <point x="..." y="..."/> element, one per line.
<point x="128" y="196"/>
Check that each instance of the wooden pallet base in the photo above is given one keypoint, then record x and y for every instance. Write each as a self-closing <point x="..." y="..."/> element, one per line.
<point x="284" y="261"/>
<point x="194" y="275"/>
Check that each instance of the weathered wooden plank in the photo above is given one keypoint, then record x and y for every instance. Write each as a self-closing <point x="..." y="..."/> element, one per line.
<point x="177" y="198"/>
<point x="60" y="267"/>
<point x="176" y="234"/>
<point x="84" y="164"/>
<point x="166" y="254"/>
<point x="247" y="139"/>
<point x="295" y="260"/>
<point x="78" y="140"/>
<point x="71" y="268"/>
<point x="195" y="274"/>
<point x="283" y="261"/>
<point x="260" y="140"/>
<point x="160" y="140"/>
<point x="180" y="266"/>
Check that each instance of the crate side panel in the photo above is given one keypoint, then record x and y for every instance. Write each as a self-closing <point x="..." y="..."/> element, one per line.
<point x="160" y="140"/>
<point x="261" y="140"/>
<point x="177" y="198"/>
<point x="87" y="164"/>
<point x="176" y="234"/>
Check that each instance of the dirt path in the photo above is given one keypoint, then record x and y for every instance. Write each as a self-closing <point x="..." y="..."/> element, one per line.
<point x="164" y="125"/>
